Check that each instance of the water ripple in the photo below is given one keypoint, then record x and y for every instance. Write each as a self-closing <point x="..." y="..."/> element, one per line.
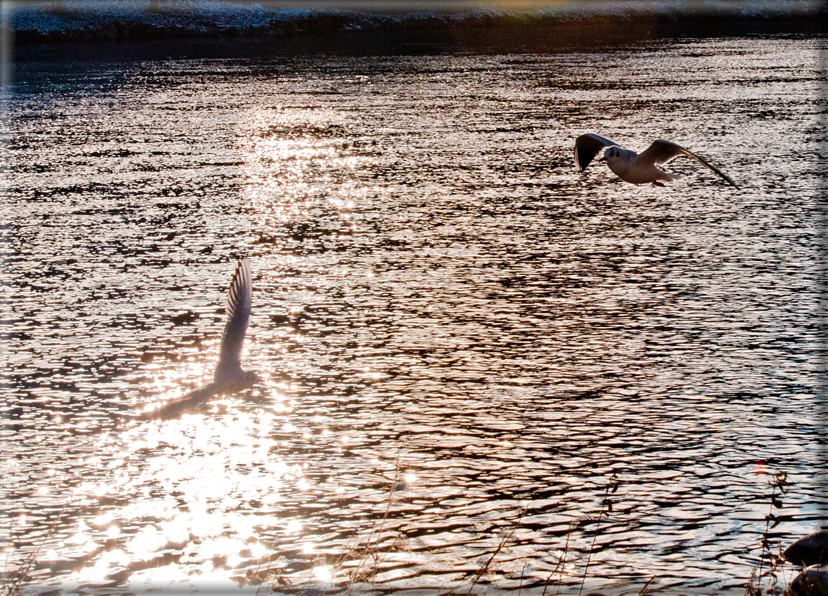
<point x="464" y="343"/>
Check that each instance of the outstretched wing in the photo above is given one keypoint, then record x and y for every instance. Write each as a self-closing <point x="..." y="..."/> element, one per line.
<point x="238" y="315"/>
<point x="587" y="146"/>
<point x="661" y="152"/>
<point x="177" y="407"/>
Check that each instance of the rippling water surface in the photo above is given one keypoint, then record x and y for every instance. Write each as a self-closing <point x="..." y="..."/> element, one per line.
<point x="464" y="342"/>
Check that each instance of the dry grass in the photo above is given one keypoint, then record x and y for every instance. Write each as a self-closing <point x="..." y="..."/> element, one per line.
<point x="764" y="578"/>
<point x="369" y="554"/>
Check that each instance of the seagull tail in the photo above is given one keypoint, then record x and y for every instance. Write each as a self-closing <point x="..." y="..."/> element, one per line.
<point x="668" y="177"/>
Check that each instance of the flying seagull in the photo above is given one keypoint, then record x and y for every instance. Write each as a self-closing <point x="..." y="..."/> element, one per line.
<point x="637" y="168"/>
<point x="229" y="376"/>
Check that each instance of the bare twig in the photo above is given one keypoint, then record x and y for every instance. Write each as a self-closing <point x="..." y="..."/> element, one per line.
<point x="605" y="504"/>
<point x="13" y="586"/>
<point x="565" y="553"/>
<point x="482" y="570"/>
<point x="503" y="541"/>
<point x="366" y="551"/>
<point x="780" y="481"/>
<point x="522" y="572"/>
<point x="643" y="591"/>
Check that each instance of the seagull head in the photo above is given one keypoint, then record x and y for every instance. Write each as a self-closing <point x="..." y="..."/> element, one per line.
<point x="611" y="154"/>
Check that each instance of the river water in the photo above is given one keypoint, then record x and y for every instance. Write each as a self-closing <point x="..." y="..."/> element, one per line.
<point x="467" y="348"/>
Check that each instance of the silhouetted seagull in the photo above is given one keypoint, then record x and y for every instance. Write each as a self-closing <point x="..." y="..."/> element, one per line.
<point x="637" y="168"/>
<point x="229" y="376"/>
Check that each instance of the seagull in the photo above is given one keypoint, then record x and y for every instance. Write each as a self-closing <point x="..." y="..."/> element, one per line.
<point x="637" y="168"/>
<point x="229" y="376"/>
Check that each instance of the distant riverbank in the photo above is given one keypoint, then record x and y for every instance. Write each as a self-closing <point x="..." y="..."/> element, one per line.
<point x="555" y="25"/>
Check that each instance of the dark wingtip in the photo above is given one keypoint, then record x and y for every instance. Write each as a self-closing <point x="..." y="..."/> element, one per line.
<point x="733" y="184"/>
<point x="584" y="158"/>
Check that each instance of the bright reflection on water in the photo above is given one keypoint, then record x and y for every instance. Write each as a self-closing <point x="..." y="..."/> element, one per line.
<point x="462" y="340"/>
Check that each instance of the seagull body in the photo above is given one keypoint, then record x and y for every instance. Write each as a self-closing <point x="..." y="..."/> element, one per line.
<point x="636" y="168"/>
<point x="229" y="376"/>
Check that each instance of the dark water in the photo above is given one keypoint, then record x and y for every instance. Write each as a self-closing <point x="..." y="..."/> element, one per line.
<point x="465" y="342"/>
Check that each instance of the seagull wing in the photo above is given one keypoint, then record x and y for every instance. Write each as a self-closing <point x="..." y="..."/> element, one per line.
<point x="177" y="407"/>
<point x="661" y="152"/>
<point x="587" y="147"/>
<point x="238" y="315"/>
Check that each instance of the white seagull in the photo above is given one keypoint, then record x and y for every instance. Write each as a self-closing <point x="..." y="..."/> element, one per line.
<point x="637" y="168"/>
<point x="229" y="376"/>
